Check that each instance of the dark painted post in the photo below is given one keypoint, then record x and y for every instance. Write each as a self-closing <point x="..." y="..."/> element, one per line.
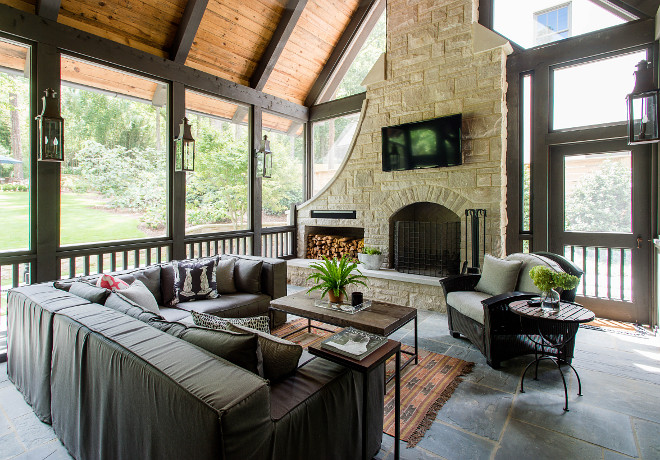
<point x="177" y="191"/>
<point x="254" y="183"/>
<point x="46" y="67"/>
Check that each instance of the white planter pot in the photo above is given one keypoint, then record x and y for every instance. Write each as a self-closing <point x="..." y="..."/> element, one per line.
<point x="371" y="261"/>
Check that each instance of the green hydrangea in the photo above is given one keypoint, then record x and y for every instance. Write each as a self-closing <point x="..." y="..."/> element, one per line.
<point x="545" y="279"/>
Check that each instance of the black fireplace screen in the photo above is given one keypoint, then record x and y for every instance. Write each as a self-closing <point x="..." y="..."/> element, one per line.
<point x="427" y="248"/>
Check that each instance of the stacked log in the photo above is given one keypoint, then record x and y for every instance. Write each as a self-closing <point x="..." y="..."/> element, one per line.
<point x="332" y="246"/>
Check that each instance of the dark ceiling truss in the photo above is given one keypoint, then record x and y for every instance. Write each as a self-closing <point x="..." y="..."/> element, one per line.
<point x="292" y="12"/>
<point x="185" y="34"/>
<point x="343" y="46"/>
<point x="48" y="9"/>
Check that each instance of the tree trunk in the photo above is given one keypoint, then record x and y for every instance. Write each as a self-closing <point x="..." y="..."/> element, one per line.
<point x="16" y="135"/>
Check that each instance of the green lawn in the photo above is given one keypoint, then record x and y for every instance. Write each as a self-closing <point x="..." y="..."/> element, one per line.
<point x="81" y="222"/>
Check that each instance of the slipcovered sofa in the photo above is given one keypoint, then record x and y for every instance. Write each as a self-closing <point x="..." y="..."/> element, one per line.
<point x="485" y="318"/>
<point x="240" y="304"/>
<point x="114" y="386"/>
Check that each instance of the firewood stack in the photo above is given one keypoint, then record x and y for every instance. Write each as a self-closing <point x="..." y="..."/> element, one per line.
<point x="332" y="246"/>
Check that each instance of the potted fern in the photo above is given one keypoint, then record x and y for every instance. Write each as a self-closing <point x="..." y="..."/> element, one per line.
<point x="333" y="275"/>
<point x="371" y="258"/>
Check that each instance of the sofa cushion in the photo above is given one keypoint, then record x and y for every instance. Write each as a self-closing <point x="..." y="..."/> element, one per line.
<point x="237" y="305"/>
<point x="468" y="303"/>
<point x="239" y="349"/>
<point x="89" y="292"/>
<point x="279" y="356"/>
<point x="167" y="284"/>
<point x="173" y="313"/>
<point x="170" y="327"/>
<point x="141" y="295"/>
<point x="150" y="277"/>
<point x="529" y="261"/>
<point x="122" y="304"/>
<point x="225" y="276"/>
<point x="498" y="276"/>
<point x="194" y="279"/>
<point x="259" y="323"/>
<point x="247" y="275"/>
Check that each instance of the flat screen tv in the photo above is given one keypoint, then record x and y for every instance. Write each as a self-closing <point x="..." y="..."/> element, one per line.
<point x="425" y="144"/>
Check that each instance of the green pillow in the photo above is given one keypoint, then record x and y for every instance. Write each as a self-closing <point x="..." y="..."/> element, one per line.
<point x="279" y="357"/>
<point x="239" y="349"/>
<point x="498" y="276"/>
<point x="89" y="292"/>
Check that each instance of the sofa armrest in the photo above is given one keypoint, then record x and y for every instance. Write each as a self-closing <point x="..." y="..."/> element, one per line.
<point x="505" y="299"/>
<point x="273" y="275"/>
<point x="459" y="283"/>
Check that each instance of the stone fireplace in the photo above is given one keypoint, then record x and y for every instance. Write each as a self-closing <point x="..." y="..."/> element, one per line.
<point x="333" y="241"/>
<point x="434" y="68"/>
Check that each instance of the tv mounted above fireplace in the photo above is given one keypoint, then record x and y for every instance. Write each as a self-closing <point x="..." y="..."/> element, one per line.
<point x="424" y="144"/>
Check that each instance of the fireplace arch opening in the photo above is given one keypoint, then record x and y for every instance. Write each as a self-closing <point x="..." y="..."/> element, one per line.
<point x="425" y="239"/>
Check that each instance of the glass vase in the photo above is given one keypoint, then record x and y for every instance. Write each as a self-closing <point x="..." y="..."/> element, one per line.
<point x="550" y="300"/>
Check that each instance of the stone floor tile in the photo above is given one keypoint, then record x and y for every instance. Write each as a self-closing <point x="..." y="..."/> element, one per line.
<point x="648" y="437"/>
<point x="454" y="444"/>
<point x="426" y="344"/>
<point x="5" y="426"/>
<point x="10" y="446"/>
<point x="611" y="455"/>
<point x="414" y="453"/>
<point x="522" y="441"/>
<point x="504" y="379"/>
<point x="12" y="402"/>
<point x="477" y="409"/>
<point x="32" y="431"/>
<point x="596" y="425"/>
<point x="53" y="450"/>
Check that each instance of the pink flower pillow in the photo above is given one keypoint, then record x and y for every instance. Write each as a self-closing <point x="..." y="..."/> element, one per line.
<point x="112" y="283"/>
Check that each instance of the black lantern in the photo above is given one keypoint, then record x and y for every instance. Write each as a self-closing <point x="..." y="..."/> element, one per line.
<point x="265" y="159"/>
<point x="185" y="148"/>
<point x="643" y="107"/>
<point x="50" y="128"/>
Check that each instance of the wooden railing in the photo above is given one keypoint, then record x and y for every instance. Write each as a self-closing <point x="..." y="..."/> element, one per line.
<point x="210" y="245"/>
<point x="279" y="242"/>
<point x="607" y="271"/>
<point x="83" y="261"/>
<point x="15" y="270"/>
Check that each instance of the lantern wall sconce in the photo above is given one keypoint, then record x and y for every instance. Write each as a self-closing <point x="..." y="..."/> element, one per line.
<point x="185" y="148"/>
<point x="50" y="129"/>
<point x="264" y="159"/>
<point x="643" y="107"/>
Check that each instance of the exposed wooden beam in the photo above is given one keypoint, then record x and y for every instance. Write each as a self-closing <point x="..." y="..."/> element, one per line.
<point x="335" y="59"/>
<point x="292" y="12"/>
<point x="239" y="114"/>
<point x="31" y="27"/>
<point x="619" y="9"/>
<point x="185" y="34"/>
<point x="353" y="49"/>
<point x="641" y="8"/>
<point x="337" y="108"/>
<point x="48" y="9"/>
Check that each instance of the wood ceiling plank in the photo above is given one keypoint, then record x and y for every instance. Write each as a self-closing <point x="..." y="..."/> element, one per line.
<point x="13" y="56"/>
<point x="214" y="70"/>
<point x="24" y="5"/>
<point x="210" y="105"/>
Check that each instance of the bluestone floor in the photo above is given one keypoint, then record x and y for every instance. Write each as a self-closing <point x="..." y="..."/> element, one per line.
<point x="617" y="417"/>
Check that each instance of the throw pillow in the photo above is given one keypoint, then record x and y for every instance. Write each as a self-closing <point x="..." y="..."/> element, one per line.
<point x="150" y="276"/>
<point x="167" y="284"/>
<point x="122" y="304"/>
<point x="280" y="357"/>
<point x="498" y="276"/>
<point x="89" y="292"/>
<point x="111" y="282"/>
<point x="194" y="279"/>
<point x="239" y="349"/>
<point x="141" y="295"/>
<point x="247" y="275"/>
<point x="260" y="323"/>
<point x="225" y="276"/>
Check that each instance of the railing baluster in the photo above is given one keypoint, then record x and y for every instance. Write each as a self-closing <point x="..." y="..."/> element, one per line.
<point x="125" y="260"/>
<point x="136" y="258"/>
<point x="86" y="265"/>
<point x="99" y="263"/>
<point x="597" y="261"/>
<point x="113" y="261"/>
<point x="14" y="275"/>
<point x="72" y="267"/>
<point x="622" y="271"/>
<point x="148" y="256"/>
<point x="609" y="273"/>
<point x="584" y="269"/>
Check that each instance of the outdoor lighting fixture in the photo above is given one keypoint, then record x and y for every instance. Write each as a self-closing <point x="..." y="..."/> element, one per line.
<point x="643" y="107"/>
<point x="265" y="159"/>
<point x="185" y="148"/>
<point x="50" y="128"/>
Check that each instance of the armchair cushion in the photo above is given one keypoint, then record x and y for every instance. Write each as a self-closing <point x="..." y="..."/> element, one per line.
<point x="529" y="261"/>
<point x="468" y="303"/>
<point x="499" y="276"/>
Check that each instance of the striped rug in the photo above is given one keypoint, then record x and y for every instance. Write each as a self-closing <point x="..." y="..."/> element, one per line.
<point x="425" y="387"/>
<point x="619" y="327"/>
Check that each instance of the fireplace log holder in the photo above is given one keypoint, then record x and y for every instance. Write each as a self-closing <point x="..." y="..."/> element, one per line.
<point x="474" y="217"/>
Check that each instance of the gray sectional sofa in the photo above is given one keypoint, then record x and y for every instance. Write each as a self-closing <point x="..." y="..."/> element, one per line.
<point x="114" y="386"/>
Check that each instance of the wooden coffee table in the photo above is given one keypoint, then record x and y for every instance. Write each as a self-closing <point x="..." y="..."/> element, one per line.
<point x="380" y="318"/>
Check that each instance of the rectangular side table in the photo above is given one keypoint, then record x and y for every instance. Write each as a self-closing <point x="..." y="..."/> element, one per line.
<point x="366" y="366"/>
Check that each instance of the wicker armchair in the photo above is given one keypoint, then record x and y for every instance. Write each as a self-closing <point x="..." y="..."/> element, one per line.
<point x="501" y="336"/>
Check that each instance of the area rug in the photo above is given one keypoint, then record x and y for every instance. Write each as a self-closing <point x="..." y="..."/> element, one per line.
<point x="425" y="387"/>
<point x="618" y="327"/>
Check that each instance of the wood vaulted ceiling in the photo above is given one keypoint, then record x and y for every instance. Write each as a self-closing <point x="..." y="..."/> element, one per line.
<point x="232" y="38"/>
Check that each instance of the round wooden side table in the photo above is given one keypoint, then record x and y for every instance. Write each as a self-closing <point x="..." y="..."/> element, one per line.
<point x="555" y="328"/>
